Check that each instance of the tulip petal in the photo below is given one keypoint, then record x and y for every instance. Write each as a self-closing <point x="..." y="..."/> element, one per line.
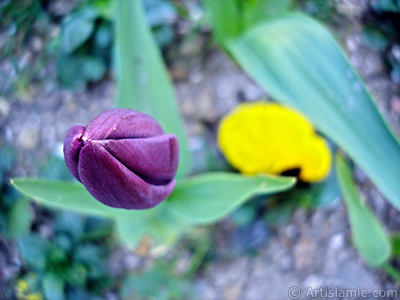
<point x="154" y="159"/>
<point x="121" y="124"/>
<point x="72" y="147"/>
<point x="113" y="184"/>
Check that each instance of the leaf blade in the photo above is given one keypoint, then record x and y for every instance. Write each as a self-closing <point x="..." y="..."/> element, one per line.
<point x="225" y="18"/>
<point x="71" y="196"/>
<point x="369" y="235"/>
<point x="209" y="197"/>
<point x="143" y="82"/>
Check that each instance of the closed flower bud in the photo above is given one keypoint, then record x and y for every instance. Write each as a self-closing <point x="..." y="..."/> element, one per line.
<point x="123" y="158"/>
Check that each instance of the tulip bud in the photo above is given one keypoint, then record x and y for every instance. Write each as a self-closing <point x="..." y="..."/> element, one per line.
<point x="123" y="158"/>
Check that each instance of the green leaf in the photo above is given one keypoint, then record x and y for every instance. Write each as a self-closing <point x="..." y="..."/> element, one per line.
<point x="229" y="18"/>
<point x="395" y="241"/>
<point x="93" y="68"/>
<point x="105" y="8"/>
<point x="103" y="38"/>
<point x="202" y="199"/>
<point x="143" y="82"/>
<point x="66" y="195"/>
<point x="158" y="12"/>
<point x="77" y="28"/>
<point x="53" y="287"/>
<point x="369" y="235"/>
<point x="7" y="158"/>
<point x="75" y="70"/>
<point x="225" y="18"/>
<point x="34" y="250"/>
<point x="70" y="223"/>
<point x="209" y="197"/>
<point x="299" y="63"/>
<point x="261" y="10"/>
<point x="386" y="6"/>
<point x="20" y="218"/>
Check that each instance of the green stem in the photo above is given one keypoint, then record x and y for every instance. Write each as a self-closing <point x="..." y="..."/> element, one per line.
<point x="392" y="271"/>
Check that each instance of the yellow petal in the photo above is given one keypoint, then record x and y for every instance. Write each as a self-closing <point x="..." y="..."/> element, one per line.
<point x="315" y="160"/>
<point x="270" y="138"/>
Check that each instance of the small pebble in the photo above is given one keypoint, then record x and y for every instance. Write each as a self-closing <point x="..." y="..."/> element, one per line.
<point x="28" y="137"/>
<point x="5" y="107"/>
<point x="395" y="105"/>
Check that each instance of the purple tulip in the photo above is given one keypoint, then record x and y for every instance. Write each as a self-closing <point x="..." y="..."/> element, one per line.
<point x="123" y="158"/>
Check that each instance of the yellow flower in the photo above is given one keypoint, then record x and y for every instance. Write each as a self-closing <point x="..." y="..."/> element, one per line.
<point x="269" y="138"/>
<point x="21" y="287"/>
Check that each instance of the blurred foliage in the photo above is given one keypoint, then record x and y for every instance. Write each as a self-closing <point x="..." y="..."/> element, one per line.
<point x="381" y="33"/>
<point x="391" y="6"/>
<point x="83" y="45"/>
<point x="55" y="168"/>
<point x="320" y="9"/>
<point x="280" y="208"/>
<point x="12" y="204"/>
<point x="19" y="21"/>
<point x="72" y="265"/>
<point x="87" y="36"/>
<point x="171" y="278"/>
<point x="158" y="282"/>
<point x="16" y="19"/>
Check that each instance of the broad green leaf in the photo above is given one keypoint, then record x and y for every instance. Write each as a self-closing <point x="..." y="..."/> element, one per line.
<point x="77" y="28"/>
<point x="298" y="62"/>
<point x="261" y="10"/>
<point x="209" y="197"/>
<point x="229" y="18"/>
<point x="369" y="235"/>
<point x="72" y="196"/>
<point x="143" y="82"/>
<point x="225" y="18"/>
